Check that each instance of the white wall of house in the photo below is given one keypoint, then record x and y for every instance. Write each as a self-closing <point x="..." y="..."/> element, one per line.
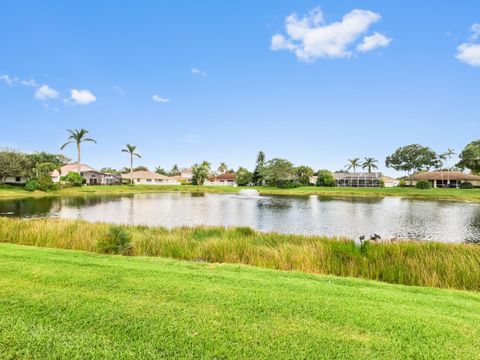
<point x="220" y="183"/>
<point x="15" y="180"/>
<point x="156" y="181"/>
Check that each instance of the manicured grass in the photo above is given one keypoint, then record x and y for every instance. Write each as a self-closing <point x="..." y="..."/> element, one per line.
<point x="432" y="194"/>
<point x="71" y="304"/>
<point x="409" y="263"/>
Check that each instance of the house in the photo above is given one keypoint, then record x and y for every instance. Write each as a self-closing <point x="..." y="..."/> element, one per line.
<point x="186" y="175"/>
<point x="390" y="182"/>
<point x="364" y="179"/>
<point x="15" y="180"/>
<point x="449" y="179"/>
<point x="92" y="176"/>
<point x="227" y="179"/>
<point x="150" y="178"/>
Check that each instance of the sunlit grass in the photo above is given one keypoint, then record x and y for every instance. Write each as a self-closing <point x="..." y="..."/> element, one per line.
<point x="410" y="263"/>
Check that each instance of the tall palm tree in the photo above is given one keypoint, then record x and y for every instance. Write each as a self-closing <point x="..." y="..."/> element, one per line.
<point x="130" y="149"/>
<point x="448" y="155"/>
<point x="77" y="137"/>
<point x="369" y="164"/>
<point x="223" y="167"/>
<point x="353" y="164"/>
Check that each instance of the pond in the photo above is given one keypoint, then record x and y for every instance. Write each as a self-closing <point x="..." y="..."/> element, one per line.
<point x="390" y="217"/>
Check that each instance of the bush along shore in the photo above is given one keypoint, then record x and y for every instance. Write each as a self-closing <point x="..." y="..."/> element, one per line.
<point x="403" y="262"/>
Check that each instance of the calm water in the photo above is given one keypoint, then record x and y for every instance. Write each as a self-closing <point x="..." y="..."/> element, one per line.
<point x="389" y="217"/>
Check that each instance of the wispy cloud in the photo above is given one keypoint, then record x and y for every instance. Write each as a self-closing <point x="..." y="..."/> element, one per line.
<point x="119" y="90"/>
<point x="310" y="37"/>
<point x="160" y="99"/>
<point x="81" y="97"/>
<point x="45" y="92"/>
<point x="7" y="79"/>
<point x="469" y="52"/>
<point x="198" y="72"/>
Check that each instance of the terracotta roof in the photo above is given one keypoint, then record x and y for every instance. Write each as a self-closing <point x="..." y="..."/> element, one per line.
<point x="445" y="175"/>
<point x="226" y="176"/>
<point x="65" y="169"/>
<point x="389" y="179"/>
<point x="145" y="175"/>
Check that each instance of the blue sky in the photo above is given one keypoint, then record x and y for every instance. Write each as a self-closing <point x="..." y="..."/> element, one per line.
<point x="316" y="95"/>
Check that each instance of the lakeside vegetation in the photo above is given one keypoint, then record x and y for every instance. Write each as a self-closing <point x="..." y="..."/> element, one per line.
<point x="409" y="263"/>
<point x="71" y="304"/>
<point x="470" y="195"/>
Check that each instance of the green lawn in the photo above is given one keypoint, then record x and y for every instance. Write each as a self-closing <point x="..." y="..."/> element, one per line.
<point x="434" y="194"/>
<point x="70" y="304"/>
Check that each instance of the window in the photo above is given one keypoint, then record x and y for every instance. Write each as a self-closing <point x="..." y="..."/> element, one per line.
<point x="138" y="180"/>
<point x="17" y="179"/>
<point x="149" y="180"/>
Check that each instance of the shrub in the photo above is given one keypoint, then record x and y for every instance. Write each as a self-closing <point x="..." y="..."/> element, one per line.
<point x="116" y="241"/>
<point x="73" y="179"/>
<point x="423" y="184"/>
<point x="288" y="184"/>
<point x="466" y="185"/>
<point x="402" y="183"/>
<point x="45" y="183"/>
<point x="382" y="183"/>
<point x="325" y="178"/>
<point x="31" y="185"/>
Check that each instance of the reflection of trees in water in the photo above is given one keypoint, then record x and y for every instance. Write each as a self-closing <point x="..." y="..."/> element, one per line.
<point x="197" y="194"/>
<point x="29" y="207"/>
<point x="352" y="199"/>
<point x="84" y="201"/>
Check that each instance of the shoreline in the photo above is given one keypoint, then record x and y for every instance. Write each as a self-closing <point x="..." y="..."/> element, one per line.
<point x="457" y="195"/>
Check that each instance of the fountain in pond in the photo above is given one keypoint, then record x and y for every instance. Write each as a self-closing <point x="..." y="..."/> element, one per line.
<point x="249" y="192"/>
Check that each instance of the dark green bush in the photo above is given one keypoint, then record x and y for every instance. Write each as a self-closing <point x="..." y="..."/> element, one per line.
<point x="466" y="185"/>
<point x="117" y="241"/>
<point x="325" y="178"/>
<point x="423" y="184"/>
<point x="45" y="183"/>
<point x="402" y="183"/>
<point x="31" y="185"/>
<point x="287" y="184"/>
<point x="72" y="179"/>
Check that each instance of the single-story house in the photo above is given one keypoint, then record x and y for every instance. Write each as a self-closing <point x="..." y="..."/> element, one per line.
<point x="186" y="175"/>
<point x="227" y="179"/>
<point x="92" y="176"/>
<point x="363" y="179"/>
<point x="449" y="179"/>
<point x="150" y="178"/>
<point x="390" y="182"/>
<point x="16" y="180"/>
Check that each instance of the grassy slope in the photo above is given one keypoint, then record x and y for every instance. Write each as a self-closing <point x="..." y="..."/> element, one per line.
<point x="409" y="263"/>
<point x="70" y="304"/>
<point x="434" y="194"/>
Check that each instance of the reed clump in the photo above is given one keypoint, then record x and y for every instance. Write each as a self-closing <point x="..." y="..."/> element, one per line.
<point x="406" y="262"/>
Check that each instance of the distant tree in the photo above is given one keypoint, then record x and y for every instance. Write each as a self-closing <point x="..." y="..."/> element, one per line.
<point x="15" y="164"/>
<point x="222" y="168"/>
<point x="412" y="158"/>
<point x="243" y="177"/>
<point x="43" y="157"/>
<point x="161" y="171"/>
<point x="140" y="168"/>
<point x="369" y="164"/>
<point x="131" y="151"/>
<point x="325" y="178"/>
<point x="353" y="164"/>
<point x="470" y="157"/>
<point x="77" y="137"/>
<point x="45" y="169"/>
<point x="109" y="170"/>
<point x="303" y="174"/>
<point x="175" y="171"/>
<point x="277" y="171"/>
<point x="257" y="173"/>
<point x="200" y="173"/>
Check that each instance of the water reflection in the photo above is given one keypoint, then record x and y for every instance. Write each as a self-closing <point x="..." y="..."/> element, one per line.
<point x="390" y="217"/>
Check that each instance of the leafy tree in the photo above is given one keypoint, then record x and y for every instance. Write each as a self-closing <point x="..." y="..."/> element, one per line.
<point x="45" y="183"/>
<point x="370" y="163"/>
<point x="200" y="172"/>
<point x="109" y="170"/>
<point x="14" y="163"/>
<point x="470" y="157"/>
<point x="222" y="168"/>
<point x="43" y="157"/>
<point x="77" y="137"/>
<point x="257" y="173"/>
<point x="45" y="168"/>
<point x="130" y="149"/>
<point x="353" y="164"/>
<point x="412" y="158"/>
<point x="303" y="174"/>
<point x="161" y="171"/>
<point x="243" y="177"/>
<point x="73" y="179"/>
<point x="277" y="171"/>
<point x="175" y="171"/>
<point x="325" y="178"/>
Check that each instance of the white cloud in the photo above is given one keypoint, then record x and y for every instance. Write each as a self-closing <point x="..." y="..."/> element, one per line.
<point x="199" y="72"/>
<point x="45" y="92"/>
<point x="8" y="79"/>
<point x="372" y="42"/>
<point x="310" y="37"/>
<point x="160" y="99"/>
<point x="82" y="97"/>
<point x="469" y="52"/>
<point x="30" y="82"/>
<point x="119" y="90"/>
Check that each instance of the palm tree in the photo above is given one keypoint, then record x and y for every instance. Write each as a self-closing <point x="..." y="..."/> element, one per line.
<point x="369" y="164"/>
<point x="223" y="167"/>
<point x="353" y="164"/>
<point x="130" y="149"/>
<point x="77" y="137"/>
<point x="448" y="155"/>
